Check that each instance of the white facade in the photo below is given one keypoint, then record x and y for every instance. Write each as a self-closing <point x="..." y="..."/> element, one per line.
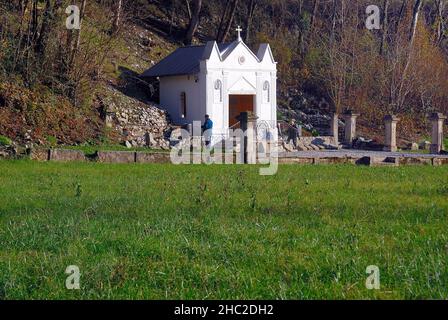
<point x="232" y="70"/>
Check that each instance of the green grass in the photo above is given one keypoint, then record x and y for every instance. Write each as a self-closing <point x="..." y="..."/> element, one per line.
<point x="199" y="232"/>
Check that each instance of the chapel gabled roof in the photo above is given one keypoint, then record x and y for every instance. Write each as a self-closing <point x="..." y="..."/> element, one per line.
<point x="185" y="60"/>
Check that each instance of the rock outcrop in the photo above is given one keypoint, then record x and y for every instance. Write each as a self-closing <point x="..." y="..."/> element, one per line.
<point x="9" y="151"/>
<point x="139" y="124"/>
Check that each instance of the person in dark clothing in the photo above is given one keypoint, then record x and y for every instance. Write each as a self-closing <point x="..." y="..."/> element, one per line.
<point x="294" y="132"/>
<point x="207" y="128"/>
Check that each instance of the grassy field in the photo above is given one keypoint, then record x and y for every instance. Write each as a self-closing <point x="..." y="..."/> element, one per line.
<point x="198" y="232"/>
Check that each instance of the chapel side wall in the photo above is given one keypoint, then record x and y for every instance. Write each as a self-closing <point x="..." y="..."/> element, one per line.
<point x="171" y="89"/>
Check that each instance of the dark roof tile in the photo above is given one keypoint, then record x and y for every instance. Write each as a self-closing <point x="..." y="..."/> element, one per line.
<point x="183" y="61"/>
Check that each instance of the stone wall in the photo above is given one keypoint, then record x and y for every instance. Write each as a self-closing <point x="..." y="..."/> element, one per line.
<point x="133" y="157"/>
<point x="116" y="156"/>
<point x="139" y="124"/>
<point x="143" y="157"/>
<point x="66" y="155"/>
<point x="7" y="152"/>
<point x="372" y="161"/>
<point x="39" y="154"/>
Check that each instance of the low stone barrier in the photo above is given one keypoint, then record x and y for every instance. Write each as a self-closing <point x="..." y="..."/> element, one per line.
<point x="372" y="161"/>
<point x="146" y="157"/>
<point x="403" y="161"/>
<point x="116" y="156"/>
<point x="63" y="155"/>
<point x="39" y="154"/>
<point x="66" y="155"/>
<point x="440" y="161"/>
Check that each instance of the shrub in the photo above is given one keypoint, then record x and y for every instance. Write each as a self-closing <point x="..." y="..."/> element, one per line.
<point x="4" y="141"/>
<point x="52" y="141"/>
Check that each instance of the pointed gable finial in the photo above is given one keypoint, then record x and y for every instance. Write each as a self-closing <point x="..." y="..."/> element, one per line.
<point x="239" y="33"/>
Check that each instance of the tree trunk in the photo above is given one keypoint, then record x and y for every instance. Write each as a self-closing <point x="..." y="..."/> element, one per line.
<point x="310" y="34"/>
<point x="440" y="20"/>
<point x="18" y="53"/>
<point x="194" y="22"/>
<point x="222" y="21"/>
<point x="75" y="48"/>
<point x="250" y="15"/>
<point x="314" y="15"/>
<point x="47" y="22"/>
<point x="401" y="14"/>
<point x="187" y="3"/>
<point x="385" y="26"/>
<point x="117" y="16"/>
<point x="333" y="24"/>
<point x="34" y="23"/>
<point x="226" y="30"/>
<point x="415" y="15"/>
<point x="414" y="24"/>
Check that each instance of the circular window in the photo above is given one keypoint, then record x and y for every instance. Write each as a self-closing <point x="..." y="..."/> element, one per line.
<point x="242" y="60"/>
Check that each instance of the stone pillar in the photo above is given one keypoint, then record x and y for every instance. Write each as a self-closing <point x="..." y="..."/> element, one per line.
<point x="437" y="120"/>
<point x="350" y="126"/>
<point x="390" y="143"/>
<point x="249" y="125"/>
<point x="334" y="127"/>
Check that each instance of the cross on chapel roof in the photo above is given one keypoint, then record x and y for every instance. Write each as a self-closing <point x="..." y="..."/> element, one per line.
<point x="239" y="33"/>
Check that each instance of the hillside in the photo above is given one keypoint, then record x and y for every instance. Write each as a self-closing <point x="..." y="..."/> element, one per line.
<point x="54" y="81"/>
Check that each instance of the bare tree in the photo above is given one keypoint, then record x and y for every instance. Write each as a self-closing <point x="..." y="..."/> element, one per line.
<point x="75" y="46"/>
<point x="227" y="20"/>
<point x="314" y="15"/>
<point x="187" y="3"/>
<point x="401" y="14"/>
<point x="194" y="22"/>
<point x="440" y="22"/>
<point x="117" y="16"/>
<point x="250" y="15"/>
<point x="415" y="19"/>
<point x="385" y="26"/>
<point x="415" y="16"/>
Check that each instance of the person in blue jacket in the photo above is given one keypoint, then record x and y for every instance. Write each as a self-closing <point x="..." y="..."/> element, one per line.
<point x="207" y="128"/>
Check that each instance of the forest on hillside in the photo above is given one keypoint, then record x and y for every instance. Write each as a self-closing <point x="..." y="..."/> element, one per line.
<point x="50" y="74"/>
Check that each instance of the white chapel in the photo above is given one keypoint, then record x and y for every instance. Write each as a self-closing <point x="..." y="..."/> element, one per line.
<point x="221" y="80"/>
